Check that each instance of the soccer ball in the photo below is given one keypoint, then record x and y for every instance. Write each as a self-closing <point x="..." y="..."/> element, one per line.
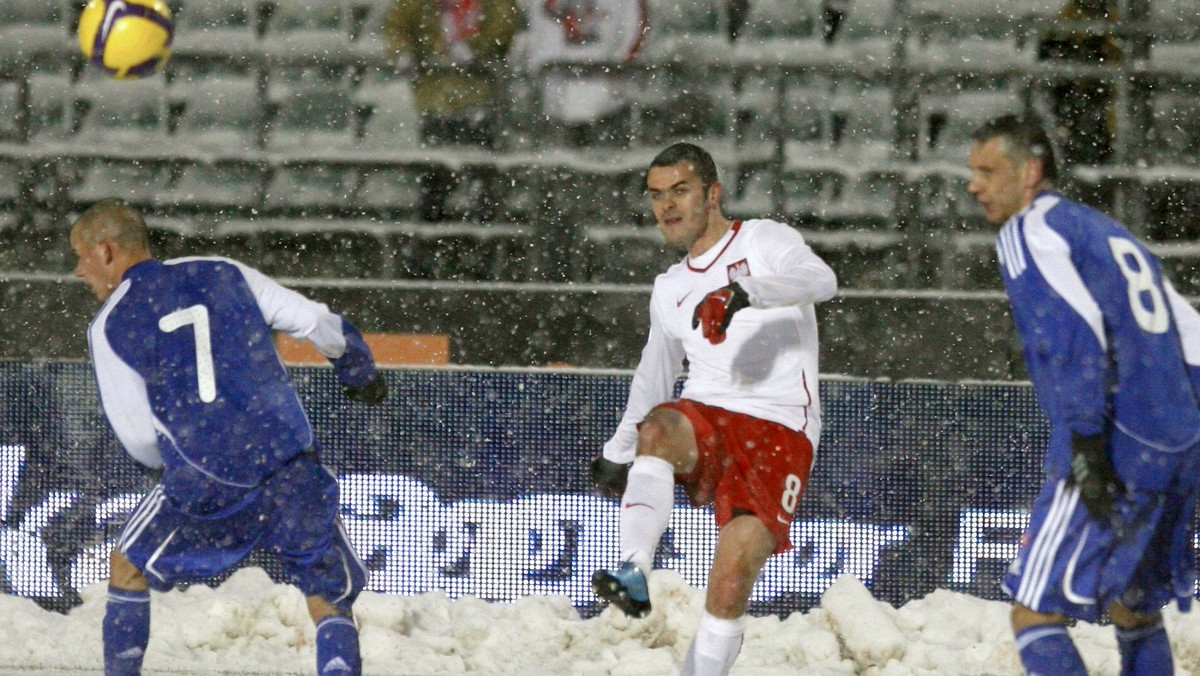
<point x="126" y="38"/>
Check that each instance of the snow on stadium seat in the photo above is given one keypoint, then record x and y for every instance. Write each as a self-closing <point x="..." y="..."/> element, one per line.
<point x="973" y="36"/>
<point x="1175" y="124"/>
<point x="217" y="111"/>
<point x="626" y="255"/>
<point x="948" y="118"/>
<point x="390" y="117"/>
<point x="121" y="113"/>
<point x="311" y="107"/>
<point x="782" y="32"/>
<point x="33" y="30"/>
<point x="691" y="31"/>
<point x="319" y="248"/>
<point x="225" y="29"/>
<point x="867" y="35"/>
<point x="137" y="182"/>
<point x="394" y="191"/>
<point x="311" y="187"/>
<point x="51" y="106"/>
<point x="234" y="185"/>
<point x="307" y="31"/>
<point x="449" y="252"/>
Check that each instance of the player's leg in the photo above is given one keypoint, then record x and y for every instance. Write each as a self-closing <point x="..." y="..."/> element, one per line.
<point x="1142" y="640"/>
<point x="126" y="627"/>
<point x="1043" y="643"/>
<point x="318" y="558"/>
<point x="743" y="548"/>
<point x="666" y="447"/>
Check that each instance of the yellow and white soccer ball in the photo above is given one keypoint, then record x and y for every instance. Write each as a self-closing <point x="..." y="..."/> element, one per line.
<point x="126" y="38"/>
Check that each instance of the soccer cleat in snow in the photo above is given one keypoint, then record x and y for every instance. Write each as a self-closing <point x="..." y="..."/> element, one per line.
<point x="624" y="588"/>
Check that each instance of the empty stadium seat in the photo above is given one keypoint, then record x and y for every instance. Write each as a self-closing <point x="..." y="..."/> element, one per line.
<point x="219" y="111"/>
<point x="219" y="29"/>
<point x="310" y="188"/>
<point x="30" y="30"/>
<point x="307" y="30"/>
<point x="137" y="182"/>
<point x="52" y="111"/>
<point x="311" y="107"/>
<point x="231" y="184"/>
<point x="1175" y="124"/>
<point x="121" y="113"/>
<point x="626" y="255"/>
<point x="948" y="118"/>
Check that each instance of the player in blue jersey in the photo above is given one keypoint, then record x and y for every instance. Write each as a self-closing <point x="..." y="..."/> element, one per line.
<point x="191" y="383"/>
<point x="1113" y="353"/>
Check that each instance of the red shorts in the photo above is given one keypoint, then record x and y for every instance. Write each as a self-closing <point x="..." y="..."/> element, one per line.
<point x="746" y="464"/>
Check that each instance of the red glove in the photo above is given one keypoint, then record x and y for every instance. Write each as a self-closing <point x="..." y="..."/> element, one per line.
<point x="712" y="314"/>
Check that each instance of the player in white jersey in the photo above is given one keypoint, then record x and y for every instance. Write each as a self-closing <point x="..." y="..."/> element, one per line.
<point x="739" y="309"/>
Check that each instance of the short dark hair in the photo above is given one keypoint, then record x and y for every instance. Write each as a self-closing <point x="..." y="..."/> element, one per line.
<point x="702" y="163"/>
<point x="114" y="219"/>
<point x="1023" y="138"/>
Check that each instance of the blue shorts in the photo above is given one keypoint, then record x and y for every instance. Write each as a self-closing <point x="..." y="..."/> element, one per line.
<point x="1074" y="565"/>
<point x="294" y="514"/>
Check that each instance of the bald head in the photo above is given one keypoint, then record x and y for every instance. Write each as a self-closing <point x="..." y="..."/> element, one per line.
<point x="108" y="239"/>
<point x="113" y="221"/>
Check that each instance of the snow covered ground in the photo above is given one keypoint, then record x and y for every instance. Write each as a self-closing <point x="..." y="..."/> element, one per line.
<point x="252" y="626"/>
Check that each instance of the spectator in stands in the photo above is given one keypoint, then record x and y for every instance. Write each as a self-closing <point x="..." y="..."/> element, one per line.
<point x="457" y="50"/>
<point x="1083" y="106"/>
<point x="592" y="108"/>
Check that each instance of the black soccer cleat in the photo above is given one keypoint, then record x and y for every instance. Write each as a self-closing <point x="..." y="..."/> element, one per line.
<point x="624" y="588"/>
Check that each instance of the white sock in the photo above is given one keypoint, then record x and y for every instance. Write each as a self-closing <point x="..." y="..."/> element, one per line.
<point x="715" y="646"/>
<point x="646" y="509"/>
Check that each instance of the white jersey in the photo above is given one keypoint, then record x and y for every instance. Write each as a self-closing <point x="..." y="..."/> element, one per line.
<point x="767" y="365"/>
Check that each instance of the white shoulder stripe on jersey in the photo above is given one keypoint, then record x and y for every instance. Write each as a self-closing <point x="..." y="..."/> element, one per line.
<point x="1052" y="256"/>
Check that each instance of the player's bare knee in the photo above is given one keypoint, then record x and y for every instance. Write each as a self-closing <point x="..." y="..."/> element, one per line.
<point x="666" y="433"/>
<point x="1127" y="619"/>
<point x="1023" y="618"/>
<point x="124" y="575"/>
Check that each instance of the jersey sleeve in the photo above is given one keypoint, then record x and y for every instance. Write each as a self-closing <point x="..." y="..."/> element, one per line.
<point x="301" y="318"/>
<point x="798" y="276"/>
<point x="123" y="397"/>
<point x="1071" y="347"/>
<point x="653" y="383"/>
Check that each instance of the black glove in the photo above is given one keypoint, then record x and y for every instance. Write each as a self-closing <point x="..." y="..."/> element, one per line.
<point x="373" y="393"/>
<point x="712" y="314"/>
<point x="1092" y="470"/>
<point x="609" y="477"/>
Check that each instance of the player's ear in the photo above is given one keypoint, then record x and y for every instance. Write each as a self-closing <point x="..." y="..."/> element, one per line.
<point x="714" y="196"/>
<point x="1034" y="172"/>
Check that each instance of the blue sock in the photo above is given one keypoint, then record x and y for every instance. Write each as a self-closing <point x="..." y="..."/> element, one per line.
<point x="126" y="631"/>
<point x="1145" y="651"/>
<point x="337" y="647"/>
<point x="1047" y="650"/>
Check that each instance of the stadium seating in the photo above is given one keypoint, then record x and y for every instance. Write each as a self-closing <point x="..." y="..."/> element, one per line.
<point x="288" y="111"/>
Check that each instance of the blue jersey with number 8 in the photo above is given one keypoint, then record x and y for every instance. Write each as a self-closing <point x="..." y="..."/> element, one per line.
<point x="1100" y="338"/>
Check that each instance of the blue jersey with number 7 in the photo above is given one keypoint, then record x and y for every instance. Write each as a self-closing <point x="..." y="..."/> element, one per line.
<point x="190" y="381"/>
<point x="1100" y="338"/>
